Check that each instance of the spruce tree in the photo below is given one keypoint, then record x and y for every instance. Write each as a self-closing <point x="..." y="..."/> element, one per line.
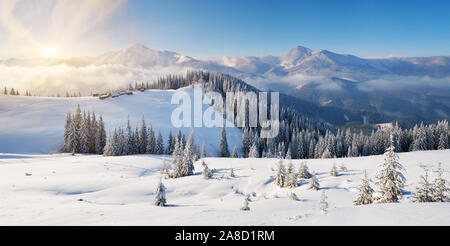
<point x="389" y="177"/>
<point x="231" y="173"/>
<point x="160" y="195"/>
<point x="334" y="171"/>
<point x="253" y="153"/>
<point x="280" y="179"/>
<point x="323" y="204"/>
<point x="143" y="137"/>
<point x="67" y="133"/>
<point x="170" y="143"/>
<point x="424" y="192"/>
<point x="291" y="177"/>
<point x="188" y="160"/>
<point x="177" y="161"/>
<point x="101" y="136"/>
<point x="303" y="172"/>
<point x="207" y="174"/>
<point x="440" y="187"/>
<point x="224" y="144"/>
<point x="365" y="192"/>
<point x="245" y="206"/>
<point x="342" y="168"/>
<point x="313" y="182"/>
<point x="203" y="155"/>
<point x="159" y="148"/>
<point x="235" y="153"/>
<point x="151" y="142"/>
<point x="109" y="147"/>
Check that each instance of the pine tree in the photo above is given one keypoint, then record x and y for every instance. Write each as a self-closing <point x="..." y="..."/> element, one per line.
<point x="235" y="153"/>
<point x="165" y="168"/>
<point x="440" y="187"/>
<point x="159" y="148"/>
<point x="245" y="206"/>
<point x="293" y="196"/>
<point x="207" y="174"/>
<point x="170" y="143"/>
<point x="424" y="192"/>
<point x="280" y="178"/>
<point x="67" y="133"/>
<point x="334" y="171"/>
<point x="443" y="141"/>
<point x="231" y="173"/>
<point x="342" y="168"/>
<point x="100" y="140"/>
<point x="5" y="92"/>
<point x="188" y="160"/>
<point x="365" y="192"/>
<point x="203" y="155"/>
<point x="389" y="178"/>
<point x="160" y="195"/>
<point x="323" y="204"/>
<point x="109" y="147"/>
<point x="151" y="142"/>
<point x="291" y="177"/>
<point x="288" y="153"/>
<point x="253" y="153"/>
<point x="143" y="137"/>
<point x="313" y="182"/>
<point x="177" y="161"/>
<point x="303" y="172"/>
<point x="224" y="144"/>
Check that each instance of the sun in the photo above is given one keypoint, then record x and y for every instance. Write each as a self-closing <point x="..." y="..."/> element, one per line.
<point x="48" y="52"/>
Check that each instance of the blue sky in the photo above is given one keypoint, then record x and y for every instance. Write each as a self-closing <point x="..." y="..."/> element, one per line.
<point x="203" y="28"/>
<point x="208" y="28"/>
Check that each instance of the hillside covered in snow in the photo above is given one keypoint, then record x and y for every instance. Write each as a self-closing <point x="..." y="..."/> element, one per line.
<point x="36" y="124"/>
<point x="61" y="189"/>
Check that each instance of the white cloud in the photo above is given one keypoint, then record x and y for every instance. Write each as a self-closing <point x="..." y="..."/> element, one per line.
<point x="62" y="78"/>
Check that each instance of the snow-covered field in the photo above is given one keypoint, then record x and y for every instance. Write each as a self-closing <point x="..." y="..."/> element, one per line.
<point x="36" y="124"/>
<point x="61" y="189"/>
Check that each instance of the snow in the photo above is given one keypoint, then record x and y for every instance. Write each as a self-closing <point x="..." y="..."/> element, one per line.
<point x="120" y="191"/>
<point x="36" y="124"/>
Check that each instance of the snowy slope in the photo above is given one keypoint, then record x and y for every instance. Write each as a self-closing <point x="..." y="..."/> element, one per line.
<point x="35" y="124"/>
<point x="120" y="191"/>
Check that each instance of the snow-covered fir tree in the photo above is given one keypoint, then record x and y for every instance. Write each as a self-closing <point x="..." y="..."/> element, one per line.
<point x="159" y="146"/>
<point x="160" y="195"/>
<point x="177" y="161"/>
<point x="151" y="141"/>
<point x="342" y="168"/>
<point x="165" y="168"/>
<point x="291" y="176"/>
<point x="323" y="204"/>
<point x="334" y="171"/>
<point x="440" y="187"/>
<point x="170" y="143"/>
<point x="235" y="153"/>
<point x="313" y="182"/>
<point x="245" y="206"/>
<point x="365" y="195"/>
<point x="424" y="192"/>
<point x="187" y="167"/>
<point x="389" y="178"/>
<point x="293" y="196"/>
<point x="224" y="144"/>
<point x="207" y="174"/>
<point x="280" y="178"/>
<point x="303" y="172"/>
<point x="253" y="153"/>
<point x="143" y="137"/>
<point x="231" y="173"/>
<point x="203" y="155"/>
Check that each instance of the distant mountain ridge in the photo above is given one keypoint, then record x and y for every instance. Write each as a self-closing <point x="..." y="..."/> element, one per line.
<point x="298" y="60"/>
<point x="373" y="90"/>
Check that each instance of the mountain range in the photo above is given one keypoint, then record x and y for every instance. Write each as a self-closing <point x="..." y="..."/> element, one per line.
<point x="407" y="89"/>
